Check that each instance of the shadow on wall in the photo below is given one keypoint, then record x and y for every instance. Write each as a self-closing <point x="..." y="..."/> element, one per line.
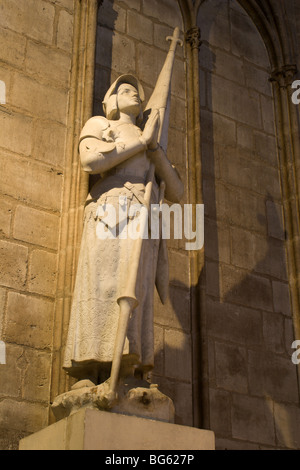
<point x="107" y="18"/>
<point x="250" y="391"/>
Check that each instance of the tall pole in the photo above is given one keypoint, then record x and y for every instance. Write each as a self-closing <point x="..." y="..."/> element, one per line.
<point x="127" y="301"/>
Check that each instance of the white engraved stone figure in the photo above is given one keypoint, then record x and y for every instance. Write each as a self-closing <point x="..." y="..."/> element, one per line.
<point x="111" y="324"/>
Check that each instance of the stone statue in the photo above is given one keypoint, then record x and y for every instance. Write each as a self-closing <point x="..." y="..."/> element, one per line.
<point x="111" y="325"/>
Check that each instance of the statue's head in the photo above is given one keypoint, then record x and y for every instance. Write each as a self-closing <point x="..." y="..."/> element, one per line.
<point x="125" y="94"/>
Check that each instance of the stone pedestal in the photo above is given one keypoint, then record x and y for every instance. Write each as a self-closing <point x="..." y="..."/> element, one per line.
<point x="90" y="429"/>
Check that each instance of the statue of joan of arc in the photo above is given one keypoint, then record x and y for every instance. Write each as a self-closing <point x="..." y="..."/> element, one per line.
<point x="129" y="160"/>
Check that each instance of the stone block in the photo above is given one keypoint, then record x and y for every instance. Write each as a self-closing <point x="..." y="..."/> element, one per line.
<point x="6" y="210"/>
<point x="166" y="11"/>
<point x="182" y="397"/>
<point x="259" y="254"/>
<point x="65" y="31"/>
<point x="36" y="382"/>
<point x="272" y="375"/>
<point x="33" y="18"/>
<point x="241" y="287"/>
<point x="268" y="116"/>
<point x="220" y="408"/>
<point x="29" y="321"/>
<point x="2" y="308"/>
<point x="115" y="51"/>
<point x="177" y="149"/>
<point x="242" y="248"/>
<point x="234" y="101"/>
<point x="96" y="430"/>
<point x="42" y="273"/>
<point x="203" y="87"/>
<point x="281" y="298"/>
<point x="22" y="416"/>
<point x="234" y="323"/>
<point x="178" y="358"/>
<point x="272" y="258"/>
<point x="214" y="24"/>
<point x="175" y="311"/>
<point x="49" y="143"/>
<point x="238" y="207"/>
<point x="212" y="278"/>
<point x="68" y="4"/>
<point x="275" y="220"/>
<point x="274" y="332"/>
<point x="231" y="367"/>
<point x="289" y="335"/>
<point x="245" y="137"/>
<point x="238" y="168"/>
<point x="217" y="129"/>
<point x="139" y="27"/>
<point x="102" y="84"/>
<point x="5" y="95"/>
<point x="11" y="127"/>
<point x="48" y="64"/>
<point x="13" y="262"/>
<point x="133" y="4"/>
<point x="36" y="227"/>
<point x="229" y="444"/>
<point x="149" y="63"/>
<point x="179" y="268"/>
<point x="177" y="114"/>
<point x="217" y="241"/>
<point x="265" y="147"/>
<point x="207" y="59"/>
<point x="9" y="439"/>
<point x="258" y="79"/>
<point x="246" y="41"/>
<point x="210" y="159"/>
<point x="28" y="181"/>
<point x="13" y="47"/>
<point x="161" y="32"/>
<point x="158" y="350"/>
<point x="11" y="373"/>
<point x="229" y="66"/>
<point x="252" y="419"/>
<point x="178" y="80"/>
<point x="112" y="16"/>
<point x="39" y="100"/>
<point x="287" y="420"/>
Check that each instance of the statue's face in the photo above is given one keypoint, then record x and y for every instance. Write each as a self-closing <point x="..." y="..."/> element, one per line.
<point x="128" y="99"/>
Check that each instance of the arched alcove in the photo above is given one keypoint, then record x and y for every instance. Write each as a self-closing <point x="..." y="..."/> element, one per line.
<point x="247" y="315"/>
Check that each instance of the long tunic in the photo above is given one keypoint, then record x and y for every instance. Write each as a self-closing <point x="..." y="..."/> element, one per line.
<point x="101" y="278"/>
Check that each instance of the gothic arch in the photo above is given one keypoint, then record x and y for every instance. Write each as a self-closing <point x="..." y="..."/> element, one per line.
<point x="270" y="20"/>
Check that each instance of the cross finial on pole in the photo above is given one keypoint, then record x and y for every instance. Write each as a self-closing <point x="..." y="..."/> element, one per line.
<point x="175" y="39"/>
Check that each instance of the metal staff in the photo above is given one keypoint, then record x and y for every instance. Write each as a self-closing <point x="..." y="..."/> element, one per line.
<point x="128" y="302"/>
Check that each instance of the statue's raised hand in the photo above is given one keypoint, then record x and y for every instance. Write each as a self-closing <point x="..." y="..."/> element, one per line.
<point x="151" y="130"/>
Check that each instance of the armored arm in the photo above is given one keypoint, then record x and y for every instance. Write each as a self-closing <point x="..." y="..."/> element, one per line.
<point x="99" y="153"/>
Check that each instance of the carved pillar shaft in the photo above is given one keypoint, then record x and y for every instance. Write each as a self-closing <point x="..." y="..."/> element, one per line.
<point x="75" y="180"/>
<point x="193" y="42"/>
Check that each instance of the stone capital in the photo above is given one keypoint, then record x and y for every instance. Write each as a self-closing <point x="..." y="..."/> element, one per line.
<point x="193" y="37"/>
<point x="284" y="75"/>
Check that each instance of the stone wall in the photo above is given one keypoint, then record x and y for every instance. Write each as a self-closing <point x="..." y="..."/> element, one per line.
<point x="35" y="62"/>
<point x="252" y="391"/>
<point x="250" y="395"/>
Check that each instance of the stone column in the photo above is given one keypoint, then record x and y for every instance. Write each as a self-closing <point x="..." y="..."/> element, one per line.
<point x="289" y="155"/>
